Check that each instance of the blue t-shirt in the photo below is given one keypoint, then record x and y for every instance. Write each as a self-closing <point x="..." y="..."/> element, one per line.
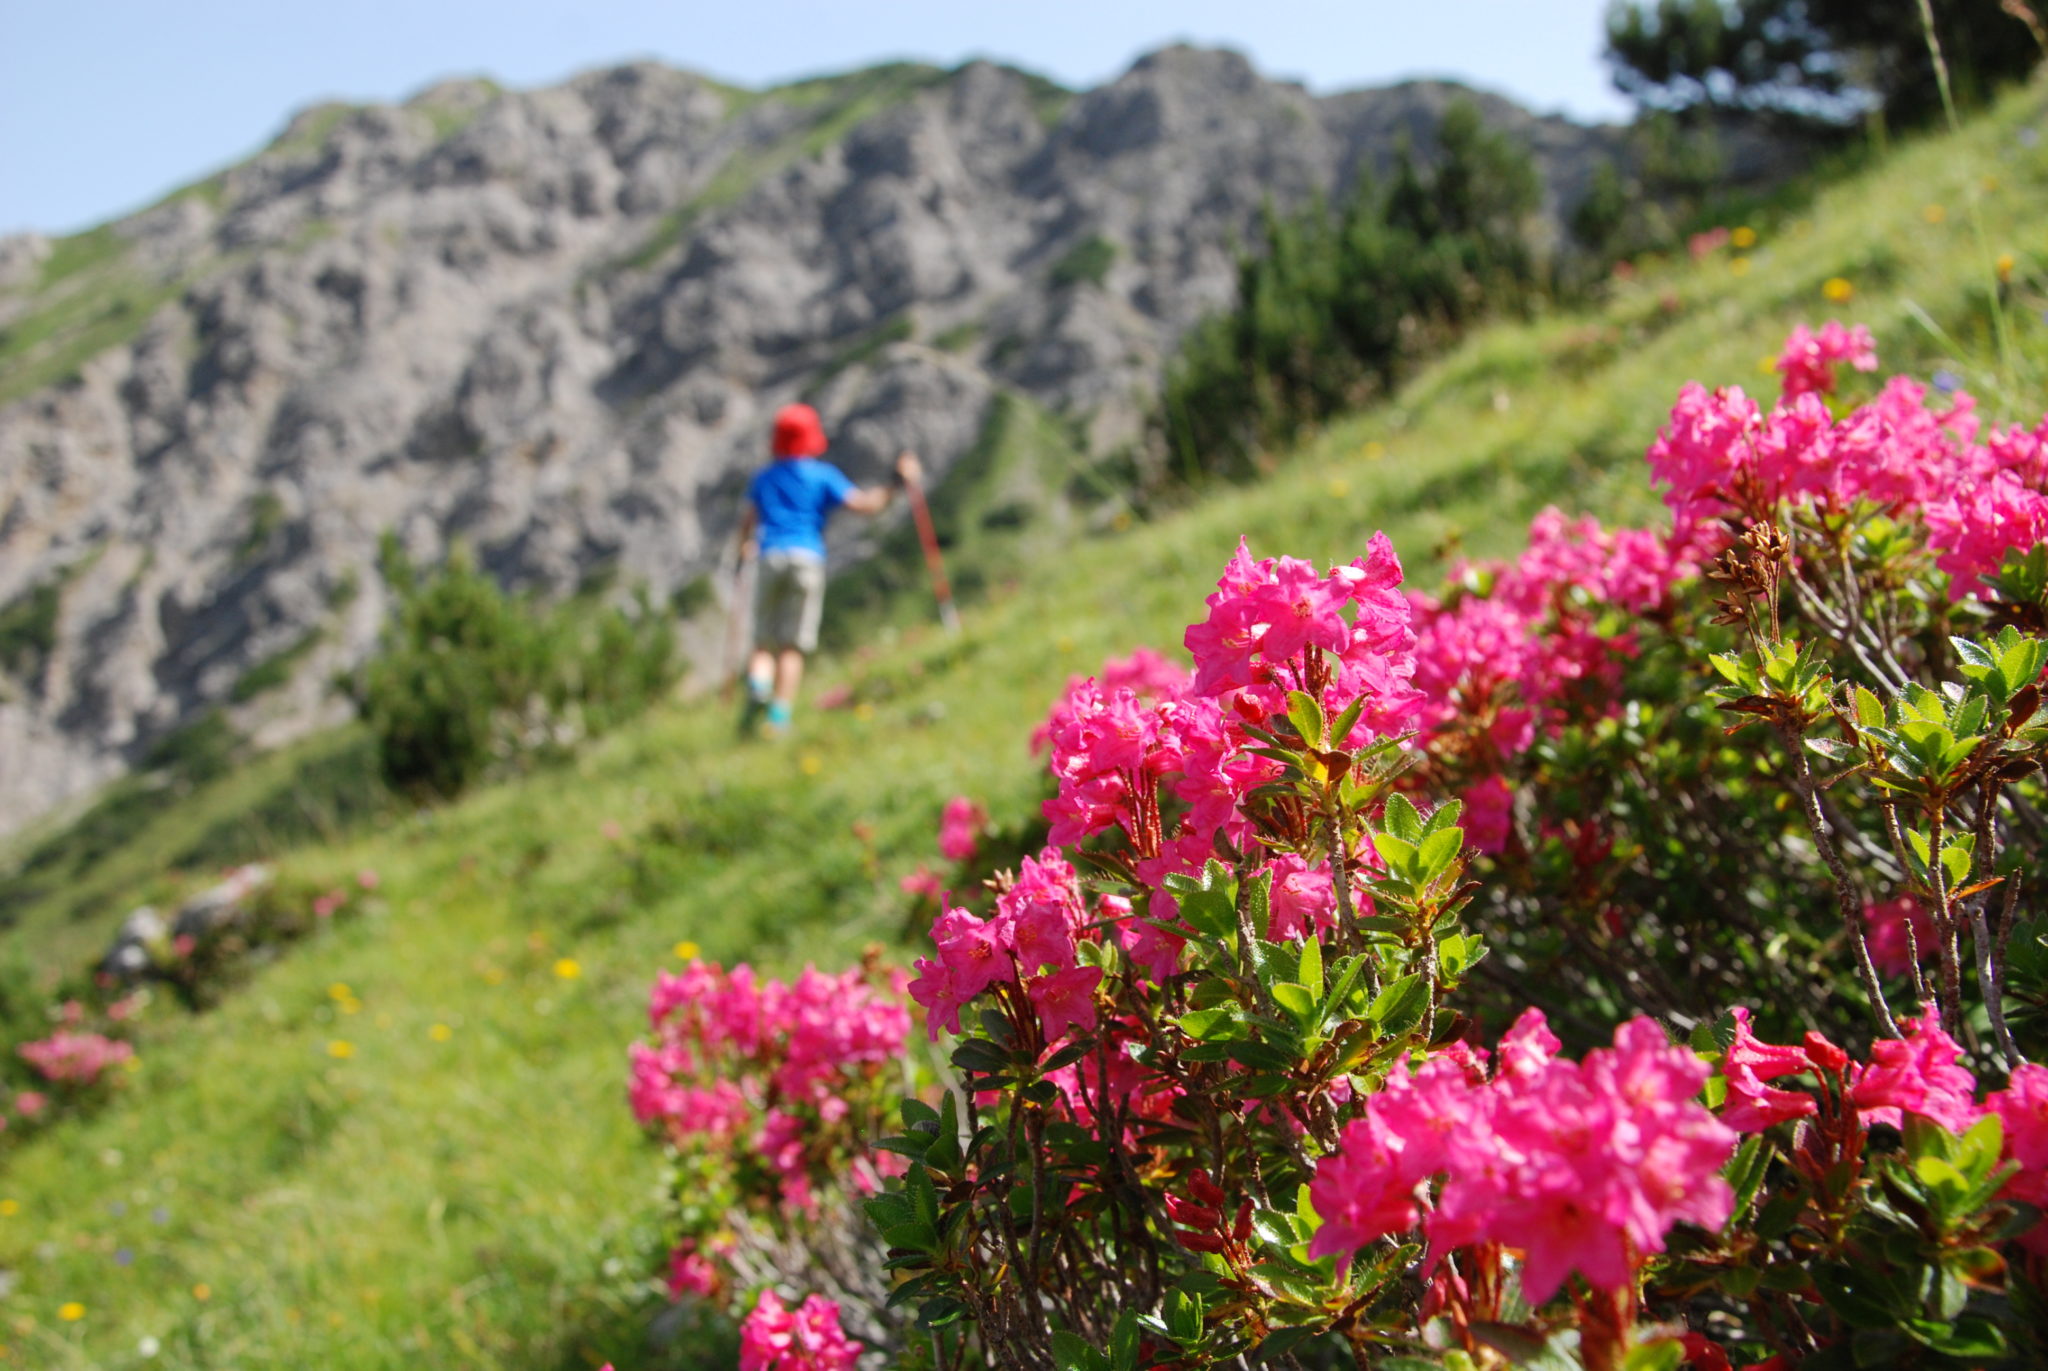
<point x="793" y="496"/>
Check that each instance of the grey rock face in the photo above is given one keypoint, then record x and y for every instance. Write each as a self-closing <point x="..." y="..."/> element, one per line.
<point x="555" y="324"/>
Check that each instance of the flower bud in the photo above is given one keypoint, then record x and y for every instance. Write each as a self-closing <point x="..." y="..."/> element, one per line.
<point x="1242" y="1229"/>
<point x="1825" y="1054"/>
<point x="1193" y="1215"/>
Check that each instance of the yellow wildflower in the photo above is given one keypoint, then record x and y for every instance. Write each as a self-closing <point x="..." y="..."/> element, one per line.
<point x="687" y="950"/>
<point x="1934" y="214"/>
<point x="1739" y="265"/>
<point x="341" y="1049"/>
<point x="440" y="1033"/>
<point x="71" y="1311"/>
<point x="568" y="968"/>
<point x="1744" y="237"/>
<point x="1837" y="289"/>
<point x="811" y="764"/>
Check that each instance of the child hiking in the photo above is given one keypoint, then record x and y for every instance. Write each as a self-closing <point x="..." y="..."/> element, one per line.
<point x="788" y="502"/>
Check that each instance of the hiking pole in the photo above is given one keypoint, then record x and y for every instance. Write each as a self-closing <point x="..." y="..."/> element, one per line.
<point x="736" y="621"/>
<point x="921" y="515"/>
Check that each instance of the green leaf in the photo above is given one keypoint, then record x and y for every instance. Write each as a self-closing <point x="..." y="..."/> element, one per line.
<point x="1258" y="899"/>
<point x="1402" y="821"/>
<point x="910" y="1145"/>
<point x="1973" y="1336"/>
<point x="887" y="1210"/>
<point x="1400" y="1007"/>
<point x="1443" y="816"/>
<point x="1210" y="912"/>
<point x="1869" y="711"/>
<point x="1341" y="726"/>
<point x="1123" y="1342"/>
<point x="1311" y="971"/>
<point x="937" y="1313"/>
<point x="1261" y="1056"/>
<point x="1438" y="849"/>
<point x="1306" y="715"/>
<point x="1295" y="999"/>
<point x="1955" y="863"/>
<point x="1398" y="853"/>
<point x="915" y="1236"/>
<point x="924" y="1196"/>
<point x="1205" y="1024"/>
<point x="1855" y="1297"/>
<point x="1665" y="1354"/>
<point x="1281" y="1341"/>
<point x="1072" y="1353"/>
<point x="1973" y="655"/>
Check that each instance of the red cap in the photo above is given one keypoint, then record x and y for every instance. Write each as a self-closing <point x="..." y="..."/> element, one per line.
<point x="798" y="432"/>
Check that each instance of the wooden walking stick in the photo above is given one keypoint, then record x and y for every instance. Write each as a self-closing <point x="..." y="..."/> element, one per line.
<point x="921" y="515"/>
<point x="735" y="664"/>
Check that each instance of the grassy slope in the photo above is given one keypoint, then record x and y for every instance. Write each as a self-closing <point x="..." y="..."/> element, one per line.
<point x="482" y="1201"/>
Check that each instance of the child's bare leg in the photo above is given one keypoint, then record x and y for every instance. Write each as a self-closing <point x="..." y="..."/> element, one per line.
<point x="789" y="674"/>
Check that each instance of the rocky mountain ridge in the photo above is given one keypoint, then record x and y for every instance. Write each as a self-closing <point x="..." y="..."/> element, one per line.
<point x="553" y="324"/>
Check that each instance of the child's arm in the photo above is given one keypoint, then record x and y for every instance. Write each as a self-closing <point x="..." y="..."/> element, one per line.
<point x="875" y="499"/>
<point x="747" y="520"/>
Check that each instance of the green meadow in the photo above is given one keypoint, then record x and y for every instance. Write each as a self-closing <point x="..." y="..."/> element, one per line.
<point x="405" y="1142"/>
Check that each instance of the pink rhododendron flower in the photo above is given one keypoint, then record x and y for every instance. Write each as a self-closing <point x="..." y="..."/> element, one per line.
<point x="935" y="989"/>
<point x="732" y="1050"/>
<point x="1489" y="815"/>
<point x="807" y="1338"/>
<point x="2022" y="1109"/>
<point x="924" y="884"/>
<point x="960" y="828"/>
<point x="1581" y="1166"/>
<point x="1303" y="898"/>
<point x="1706" y="450"/>
<point x="1808" y="360"/>
<point x="1918" y="1075"/>
<point x="30" y="1103"/>
<point x="973" y="951"/>
<point x="1973" y="527"/>
<point x="72" y="1058"/>
<point x="1065" y="1000"/>
<point x="690" y="1272"/>
<point x="1885" y="925"/>
<point x="1752" y="1106"/>
<point x="1148" y="675"/>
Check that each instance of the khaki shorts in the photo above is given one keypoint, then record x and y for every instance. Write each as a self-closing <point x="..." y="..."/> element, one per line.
<point x="789" y="600"/>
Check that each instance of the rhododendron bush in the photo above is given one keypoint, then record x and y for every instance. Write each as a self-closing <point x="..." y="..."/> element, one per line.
<point x="766" y="1094"/>
<point x="1623" y="956"/>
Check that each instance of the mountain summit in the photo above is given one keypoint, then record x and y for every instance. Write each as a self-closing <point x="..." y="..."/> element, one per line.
<point x="553" y="324"/>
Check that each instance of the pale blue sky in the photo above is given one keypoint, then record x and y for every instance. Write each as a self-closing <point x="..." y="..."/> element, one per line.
<point x="107" y="104"/>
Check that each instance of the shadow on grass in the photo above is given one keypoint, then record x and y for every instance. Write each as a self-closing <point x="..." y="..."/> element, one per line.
<point x="649" y="1334"/>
